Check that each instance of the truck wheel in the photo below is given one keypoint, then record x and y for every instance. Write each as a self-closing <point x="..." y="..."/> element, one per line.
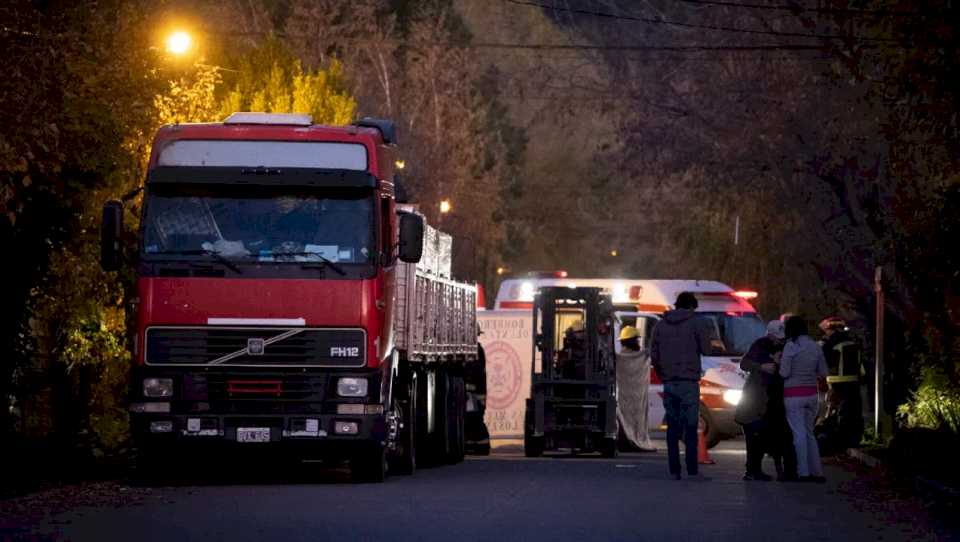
<point x="405" y="461"/>
<point x="710" y="433"/>
<point x="424" y="440"/>
<point x="369" y="467"/>
<point x="456" y="446"/>
<point x="149" y="468"/>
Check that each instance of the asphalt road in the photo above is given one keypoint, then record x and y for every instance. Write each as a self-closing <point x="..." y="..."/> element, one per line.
<point x="501" y="497"/>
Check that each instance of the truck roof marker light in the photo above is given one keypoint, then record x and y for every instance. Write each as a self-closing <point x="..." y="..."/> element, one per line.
<point x="281" y="119"/>
<point x="745" y="294"/>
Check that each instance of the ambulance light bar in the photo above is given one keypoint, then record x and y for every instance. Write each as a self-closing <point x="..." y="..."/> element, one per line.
<point x="742" y="294"/>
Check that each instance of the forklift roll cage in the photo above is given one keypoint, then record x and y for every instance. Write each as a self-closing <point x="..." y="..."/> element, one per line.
<point x="574" y="395"/>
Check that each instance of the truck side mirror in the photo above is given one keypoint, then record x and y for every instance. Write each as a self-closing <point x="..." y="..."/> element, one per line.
<point x="411" y="237"/>
<point x="110" y="232"/>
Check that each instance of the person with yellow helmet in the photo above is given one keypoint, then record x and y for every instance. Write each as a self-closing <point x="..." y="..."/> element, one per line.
<point x="633" y="385"/>
<point x="842" y="425"/>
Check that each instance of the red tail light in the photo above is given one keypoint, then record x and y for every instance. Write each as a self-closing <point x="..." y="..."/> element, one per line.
<point x="745" y="294"/>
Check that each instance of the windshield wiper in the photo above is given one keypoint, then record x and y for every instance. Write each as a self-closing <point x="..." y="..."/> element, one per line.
<point x="316" y="258"/>
<point x="216" y="256"/>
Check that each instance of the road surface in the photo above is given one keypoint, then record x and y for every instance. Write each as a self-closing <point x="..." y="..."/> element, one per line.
<point x="498" y="498"/>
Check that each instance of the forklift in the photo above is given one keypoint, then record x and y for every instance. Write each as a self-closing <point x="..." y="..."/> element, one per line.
<point x="573" y="395"/>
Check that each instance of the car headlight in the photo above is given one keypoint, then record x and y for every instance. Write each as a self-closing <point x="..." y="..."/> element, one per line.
<point x="733" y="396"/>
<point x="157" y="387"/>
<point x="352" y="387"/>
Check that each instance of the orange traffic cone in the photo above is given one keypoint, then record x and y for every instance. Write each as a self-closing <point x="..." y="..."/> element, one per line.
<point x="703" y="456"/>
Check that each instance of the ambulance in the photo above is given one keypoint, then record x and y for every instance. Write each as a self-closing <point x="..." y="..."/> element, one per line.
<point x="640" y="303"/>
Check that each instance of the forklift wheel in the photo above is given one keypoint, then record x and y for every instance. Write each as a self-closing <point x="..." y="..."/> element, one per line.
<point x="533" y="446"/>
<point x="608" y="447"/>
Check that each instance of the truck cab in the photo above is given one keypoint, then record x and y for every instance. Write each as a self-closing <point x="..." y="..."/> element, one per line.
<point x="269" y="259"/>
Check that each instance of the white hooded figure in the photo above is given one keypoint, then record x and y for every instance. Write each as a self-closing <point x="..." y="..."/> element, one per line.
<point x="633" y="386"/>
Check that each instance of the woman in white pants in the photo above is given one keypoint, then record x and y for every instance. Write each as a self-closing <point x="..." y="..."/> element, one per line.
<point x="801" y="366"/>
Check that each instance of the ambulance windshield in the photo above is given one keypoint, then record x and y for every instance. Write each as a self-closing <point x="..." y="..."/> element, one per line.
<point x="738" y="330"/>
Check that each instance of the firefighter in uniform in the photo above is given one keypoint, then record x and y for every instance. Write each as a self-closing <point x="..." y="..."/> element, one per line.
<point x="842" y="425"/>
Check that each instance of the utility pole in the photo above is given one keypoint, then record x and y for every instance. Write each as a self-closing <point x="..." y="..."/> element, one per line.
<point x="878" y="414"/>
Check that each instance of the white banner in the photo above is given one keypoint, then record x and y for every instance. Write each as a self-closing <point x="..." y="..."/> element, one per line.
<point x="508" y="345"/>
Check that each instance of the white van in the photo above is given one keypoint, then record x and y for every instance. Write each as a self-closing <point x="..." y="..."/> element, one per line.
<point x="640" y="303"/>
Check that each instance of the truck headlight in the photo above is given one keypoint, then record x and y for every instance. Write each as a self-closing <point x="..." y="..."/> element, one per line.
<point x="352" y="387"/>
<point x="733" y="396"/>
<point x="158" y="387"/>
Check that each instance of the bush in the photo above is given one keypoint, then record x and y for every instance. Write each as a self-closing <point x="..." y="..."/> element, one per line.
<point x="935" y="405"/>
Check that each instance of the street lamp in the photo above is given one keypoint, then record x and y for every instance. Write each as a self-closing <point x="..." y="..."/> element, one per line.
<point x="179" y="43"/>
<point x="445" y="207"/>
<point x="614" y="253"/>
<point x="400" y="164"/>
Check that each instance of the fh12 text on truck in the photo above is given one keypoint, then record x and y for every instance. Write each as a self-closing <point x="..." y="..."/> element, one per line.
<point x="285" y="300"/>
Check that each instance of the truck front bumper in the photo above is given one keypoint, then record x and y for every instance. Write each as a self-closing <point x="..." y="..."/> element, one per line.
<point x="258" y="409"/>
<point x="326" y="434"/>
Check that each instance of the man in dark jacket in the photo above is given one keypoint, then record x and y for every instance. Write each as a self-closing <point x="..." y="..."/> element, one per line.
<point x="679" y="339"/>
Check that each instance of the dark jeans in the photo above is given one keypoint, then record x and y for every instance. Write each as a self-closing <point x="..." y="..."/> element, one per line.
<point x="774" y="438"/>
<point x="754" y="434"/>
<point x="681" y="400"/>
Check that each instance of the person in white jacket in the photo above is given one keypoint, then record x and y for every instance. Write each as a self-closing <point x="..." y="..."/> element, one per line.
<point x="801" y="366"/>
<point x="633" y="385"/>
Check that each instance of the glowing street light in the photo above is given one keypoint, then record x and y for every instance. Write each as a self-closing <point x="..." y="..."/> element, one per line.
<point x="179" y="43"/>
<point x="445" y="207"/>
<point x="614" y="253"/>
<point x="501" y="270"/>
<point x="400" y="164"/>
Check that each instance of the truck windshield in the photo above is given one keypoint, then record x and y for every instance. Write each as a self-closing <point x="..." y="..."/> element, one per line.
<point x="737" y="331"/>
<point x="255" y="223"/>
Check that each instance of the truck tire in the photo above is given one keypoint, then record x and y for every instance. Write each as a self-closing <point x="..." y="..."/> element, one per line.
<point x="456" y="397"/>
<point x="151" y="467"/>
<point x="710" y="433"/>
<point x="369" y="467"/>
<point x="405" y="460"/>
<point x="426" y="443"/>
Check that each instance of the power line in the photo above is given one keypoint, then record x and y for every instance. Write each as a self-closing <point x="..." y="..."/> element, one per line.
<point x="697" y="26"/>
<point x="537" y="46"/>
<point x="797" y="8"/>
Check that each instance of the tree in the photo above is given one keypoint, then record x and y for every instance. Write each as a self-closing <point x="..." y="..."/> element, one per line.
<point x="287" y="88"/>
<point x="77" y="98"/>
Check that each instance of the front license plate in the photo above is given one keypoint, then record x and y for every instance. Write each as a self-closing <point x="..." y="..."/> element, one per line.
<point x="253" y="434"/>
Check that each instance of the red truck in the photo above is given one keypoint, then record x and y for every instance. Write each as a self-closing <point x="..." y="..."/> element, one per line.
<point x="281" y="305"/>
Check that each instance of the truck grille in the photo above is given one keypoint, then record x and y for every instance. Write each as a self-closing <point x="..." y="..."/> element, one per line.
<point x="258" y="393"/>
<point x="234" y="386"/>
<point x="249" y="346"/>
